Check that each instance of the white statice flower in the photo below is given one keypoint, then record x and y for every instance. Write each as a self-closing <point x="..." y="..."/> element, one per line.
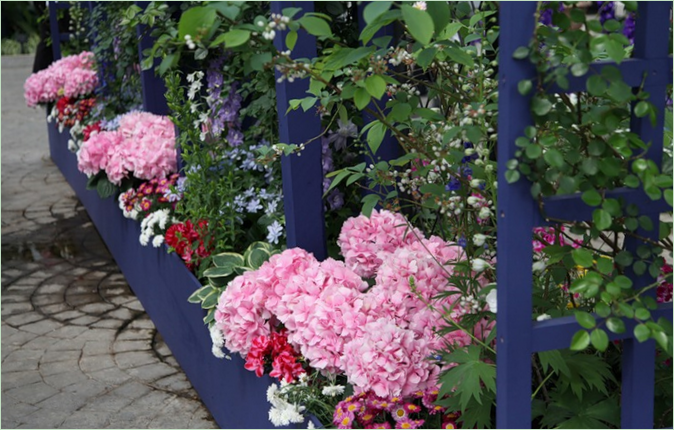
<point x="421" y="5"/>
<point x="491" y="300"/>
<point x="333" y="390"/>
<point x="311" y="425"/>
<point x="159" y="219"/>
<point x="274" y="232"/>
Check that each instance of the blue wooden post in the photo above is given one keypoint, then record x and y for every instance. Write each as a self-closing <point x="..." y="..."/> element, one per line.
<point x="54" y="29"/>
<point x="650" y="43"/>
<point x="516" y="214"/>
<point x="302" y="173"/>
<point x="517" y="336"/>
<point x="154" y="90"/>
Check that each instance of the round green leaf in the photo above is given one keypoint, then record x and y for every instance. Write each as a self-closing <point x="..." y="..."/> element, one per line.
<point x="524" y="86"/>
<point x="554" y="158"/>
<point x="585" y="319"/>
<point x="315" y="26"/>
<point x="512" y="176"/>
<point x="521" y="53"/>
<point x="641" y="109"/>
<point x="582" y="257"/>
<point x="642" y="314"/>
<point x="533" y="151"/>
<point x="602" y="309"/>
<point x="642" y="332"/>
<point x="591" y="197"/>
<point x="376" y="86"/>
<point x="602" y="219"/>
<point x="540" y="105"/>
<point x="596" y="85"/>
<point x="599" y="339"/>
<point x="616" y="325"/>
<point x="580" y="341"/>
<point x="605" y="265"/>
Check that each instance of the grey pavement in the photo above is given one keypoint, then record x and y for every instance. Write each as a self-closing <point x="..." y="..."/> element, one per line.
<point x="78" y="351"/>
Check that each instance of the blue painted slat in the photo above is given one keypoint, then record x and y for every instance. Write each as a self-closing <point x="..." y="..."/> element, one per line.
<point x="571" y="207"/>
<point x="658" y="71"/>
<point x="302" y="175"/>
<point x="516" y="214"/>
<point x="557" y="333"/>
<point x="154" y="89"/>
<point x="54" y="29"/>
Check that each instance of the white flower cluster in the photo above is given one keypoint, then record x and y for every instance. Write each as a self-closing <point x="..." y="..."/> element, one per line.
<point x="278" y="22"/>
<point x="291" y="71"/>
<point x="405" y="88"/>
<point x="195" y="84"/>
<point x="469" y="305"/>
<point x="189" y="42"/>
<point x="400" y="56"/>
<point x="158" y="219"/>
<point x="282" y="412"/>
<point x="218" y="342"/>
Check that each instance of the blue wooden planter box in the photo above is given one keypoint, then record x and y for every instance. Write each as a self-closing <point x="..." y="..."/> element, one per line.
<point x="235" y="397"/>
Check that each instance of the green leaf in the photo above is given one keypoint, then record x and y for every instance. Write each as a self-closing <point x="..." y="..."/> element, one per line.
<point x="580" y="341"/>
<point x="419" y="23"/>
<point x="315" y="26"/>
<point x="599" y="339"/>
<point x="219" y="272"/>
<point x="554" y="158"/>
<point x="585" y="319"/>
<point x="376" y="86"/>
<point x="361" y="98"/>
<point x="229" y="259"/>
<point x="460" y="56"/>
<point x="540" y="105"/>
<point x="602" y="309"/>
<point x="596" y="85"/>
<point x="195" y="20"/>
<point x="512" y="176"/>
<point x="533" y="151"/>
<point x="195" y="296"/>
<point x="375" y="136"/>
<point x="232" y="38"/>
<point x="668" y="197"/>
<point x="521" y="53"/>
<point x="524" y="86"/>
<point x="602" y="219"/>
<point x="440" y="14"/>
<point x="291" y="40"/>
<point x="642" y="314"/>
<point x="642" y="332"/>
<point x="450" y="30"/>
<point x="369" y="202"/>
<point x="605" y="265"/>
<point x="375" y="9"/>
<point x="616" y="325"/>
<point x="615" y="50"/>
<point x="554" y="359"/>
<point x="579" y="69"/>
<point x="400" y="112"/>
<point x="582" y="257"/>
<point x="591" y="197"/>
<point x="105" y="188"/>
<point x="641" y="109"/>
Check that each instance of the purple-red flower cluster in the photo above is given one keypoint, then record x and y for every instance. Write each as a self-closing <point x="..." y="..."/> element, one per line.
<point x="366" y="410"/>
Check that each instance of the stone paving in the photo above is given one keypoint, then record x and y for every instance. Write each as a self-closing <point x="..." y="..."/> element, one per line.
<point x="78" y="351"/>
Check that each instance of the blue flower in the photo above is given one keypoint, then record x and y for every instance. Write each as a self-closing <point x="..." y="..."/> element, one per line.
<point x="274" y="232"/>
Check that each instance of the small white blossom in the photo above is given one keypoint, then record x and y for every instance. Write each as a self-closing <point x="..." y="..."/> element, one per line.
<point x="421" y="5"/>
<point x="491" y="300"/>
<point x="538" y="266"/>
<point x="479" y="265"/>
<point x="479" y="239"/>
<point x="333" y="390"/>
<point x="543" y="317"/>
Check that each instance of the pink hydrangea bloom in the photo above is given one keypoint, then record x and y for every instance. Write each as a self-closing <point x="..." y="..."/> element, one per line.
<point x="71" y="76"/>
<point x="241" y="315"/>
<point x="364" y="241"/>
<point x="388" y="360"/>
<point x="144" y="145"/>
<point x="97" y="152"/>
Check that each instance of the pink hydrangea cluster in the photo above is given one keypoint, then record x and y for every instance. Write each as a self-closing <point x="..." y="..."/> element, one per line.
<point x="364" y="242"/>
<point x="71" y="76"/>
<point x="389" y="360"/>
<point x="382" y="338"/>
<point x="144" y="144"/>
